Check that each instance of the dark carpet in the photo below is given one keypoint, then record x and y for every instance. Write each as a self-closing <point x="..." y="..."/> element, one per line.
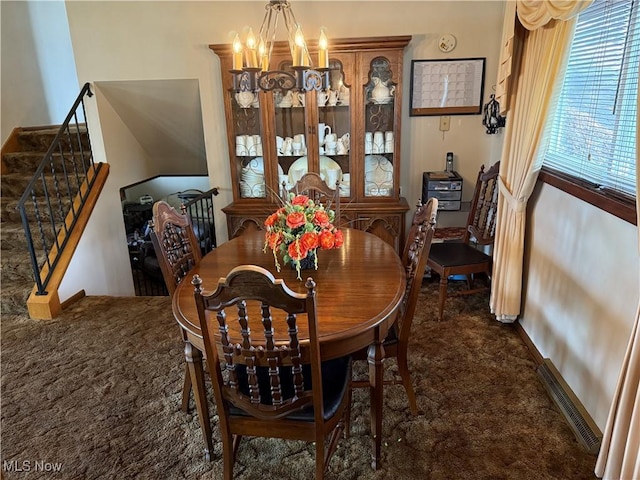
<point x="97" y="391"/>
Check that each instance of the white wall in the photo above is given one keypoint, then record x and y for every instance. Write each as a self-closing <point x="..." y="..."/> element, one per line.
<point x="581" y="293"/>
<point x="35" y="45"/>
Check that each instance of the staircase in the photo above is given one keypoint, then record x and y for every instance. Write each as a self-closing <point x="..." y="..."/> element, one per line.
<point x="18" y="167"/>
<point x="56" y="204"/>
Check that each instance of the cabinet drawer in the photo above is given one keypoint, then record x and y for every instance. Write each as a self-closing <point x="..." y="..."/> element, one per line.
<point x="448" y="204"/>
<point x="444" y="185"/>
<point x="445" y="194"/>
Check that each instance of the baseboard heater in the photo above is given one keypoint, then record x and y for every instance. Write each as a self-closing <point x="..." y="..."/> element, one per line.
<point x="586" y="431"/>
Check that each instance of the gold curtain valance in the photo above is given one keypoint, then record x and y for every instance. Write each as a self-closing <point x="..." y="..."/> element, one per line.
<point x="532" y="14"/>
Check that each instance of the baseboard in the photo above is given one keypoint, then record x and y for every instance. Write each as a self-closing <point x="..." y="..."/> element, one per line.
<point x="584" y="428"/>
<point x="73" y="299"/>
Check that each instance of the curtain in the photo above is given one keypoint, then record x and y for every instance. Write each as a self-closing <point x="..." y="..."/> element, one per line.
<point x="535" y="74"/>
<point x="506" y="56"/>
<point x="619" y="456"/>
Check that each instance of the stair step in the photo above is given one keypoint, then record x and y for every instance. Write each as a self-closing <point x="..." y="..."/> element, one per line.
<point x="39" y="140"/>
<point x="13" y="237"/>
<point x="10" y="213"/>
<point x="28" y="162"/>
<point x="14" y="185"/>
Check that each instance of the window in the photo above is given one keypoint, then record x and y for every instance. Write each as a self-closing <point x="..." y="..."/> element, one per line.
<point x="593" y="133"/>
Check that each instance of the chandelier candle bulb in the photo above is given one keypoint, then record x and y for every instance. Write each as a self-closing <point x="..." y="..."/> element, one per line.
<point x="264" y="58"/>
<point x="252" y="58"/>
<point x="237" y="54"/>
<point x="299" y="50"/>
<point x="323" y="51"/>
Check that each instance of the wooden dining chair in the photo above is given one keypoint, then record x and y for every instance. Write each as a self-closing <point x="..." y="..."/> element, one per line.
<point x="311" y="184"/>
<point x="266" y="387"/>
<point x="414" y="259"/>
<point x="463" y="257"/>
<point x="178" y="251"/>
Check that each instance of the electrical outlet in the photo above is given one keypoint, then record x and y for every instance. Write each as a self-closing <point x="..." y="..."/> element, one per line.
<point x="445" y="122"/>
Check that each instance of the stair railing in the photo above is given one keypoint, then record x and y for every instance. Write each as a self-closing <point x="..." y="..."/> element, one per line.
<point x="57" y="193"/>
<point x="199" y="207"/>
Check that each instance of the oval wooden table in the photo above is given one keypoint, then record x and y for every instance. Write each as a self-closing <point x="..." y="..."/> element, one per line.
<point x="359" y="289"/>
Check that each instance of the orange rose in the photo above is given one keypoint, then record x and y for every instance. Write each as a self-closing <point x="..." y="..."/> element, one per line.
<point x="309" y="240"/>
<point x="296" y="219"/>
<point x="300" y="200"/>
<point x="274" y="239"/>
<point x="271" y="220"/>
<point x="297" y="251"/>
<point x="321" y="219"/>
<point x="339" y="238"/>
<point x="327" y="240"/>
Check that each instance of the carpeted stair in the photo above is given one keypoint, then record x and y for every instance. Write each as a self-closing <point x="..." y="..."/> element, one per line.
<point x="17" y="278"/>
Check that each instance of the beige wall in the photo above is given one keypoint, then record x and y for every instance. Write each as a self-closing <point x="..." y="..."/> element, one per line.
<point x="38" y="76"/>
<point x="581" y="292"/>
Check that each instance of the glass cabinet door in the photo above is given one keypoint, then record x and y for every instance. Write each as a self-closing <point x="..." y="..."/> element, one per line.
<point x="248" y="154"/>
<point x="290" y="139"/>
<point x="379" y="141"/>
<point x="334" y="130"/>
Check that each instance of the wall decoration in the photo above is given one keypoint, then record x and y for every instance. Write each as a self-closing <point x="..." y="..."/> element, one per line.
<point x="447" y="87"/>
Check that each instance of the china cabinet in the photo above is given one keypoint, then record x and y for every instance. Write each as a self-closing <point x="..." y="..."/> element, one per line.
<point x="348" y="133"/>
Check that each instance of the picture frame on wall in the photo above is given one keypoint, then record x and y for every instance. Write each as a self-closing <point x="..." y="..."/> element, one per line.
<point x="453" y="86"/>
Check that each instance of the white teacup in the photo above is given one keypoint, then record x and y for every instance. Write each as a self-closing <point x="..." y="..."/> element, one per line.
<point x="378" y="143"/>
<point x="241" y="145"/>
<point x="368" y="142"/>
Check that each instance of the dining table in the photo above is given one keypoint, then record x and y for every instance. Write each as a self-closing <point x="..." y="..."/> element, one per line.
<point x="359" y="288"/>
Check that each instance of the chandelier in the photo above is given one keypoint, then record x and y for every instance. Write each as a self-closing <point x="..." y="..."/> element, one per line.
<point x="251" y="61"/>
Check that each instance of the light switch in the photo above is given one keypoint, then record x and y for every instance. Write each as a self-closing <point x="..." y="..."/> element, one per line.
<point x="445" y="121"/>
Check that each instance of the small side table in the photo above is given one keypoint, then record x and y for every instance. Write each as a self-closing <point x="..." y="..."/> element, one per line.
<point x="445" y="186"/>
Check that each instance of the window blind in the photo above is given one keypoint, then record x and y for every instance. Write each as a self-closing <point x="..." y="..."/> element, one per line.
<point x="592" y="135"/>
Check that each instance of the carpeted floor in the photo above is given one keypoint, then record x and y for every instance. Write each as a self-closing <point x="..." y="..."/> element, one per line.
<point x="98" y="392"/>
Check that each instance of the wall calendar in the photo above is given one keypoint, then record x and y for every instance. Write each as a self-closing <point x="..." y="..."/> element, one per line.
<point x="447" y="87"/>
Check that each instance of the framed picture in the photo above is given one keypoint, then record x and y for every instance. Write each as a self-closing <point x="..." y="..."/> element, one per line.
<point x="447" y="87"/>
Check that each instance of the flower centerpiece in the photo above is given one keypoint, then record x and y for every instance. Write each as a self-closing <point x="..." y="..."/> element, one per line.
<point x="297" y="229"/>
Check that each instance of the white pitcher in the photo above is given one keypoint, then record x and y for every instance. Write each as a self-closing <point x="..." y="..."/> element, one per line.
<point x="323" y="130"/>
